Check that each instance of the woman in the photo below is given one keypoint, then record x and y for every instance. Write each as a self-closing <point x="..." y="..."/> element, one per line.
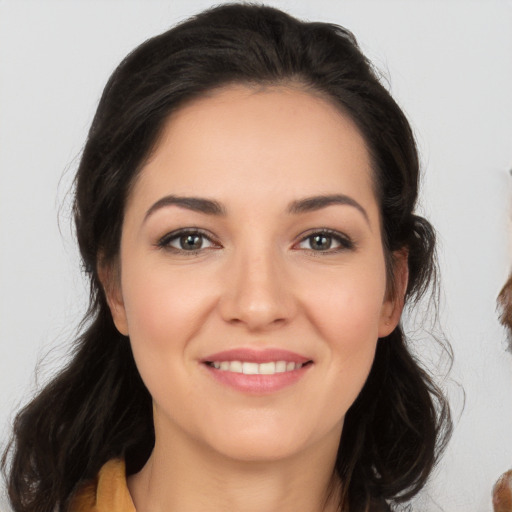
<point x="245" y="212"/>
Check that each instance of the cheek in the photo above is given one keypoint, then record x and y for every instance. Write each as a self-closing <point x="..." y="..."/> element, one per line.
<point x="346" y="313"/>
<point x="347" y="308"/>
<point x="162" y="305"/>
<point x="164" y="311"/>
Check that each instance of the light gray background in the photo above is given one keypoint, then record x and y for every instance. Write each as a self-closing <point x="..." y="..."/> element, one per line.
<point x="449" y="64"/>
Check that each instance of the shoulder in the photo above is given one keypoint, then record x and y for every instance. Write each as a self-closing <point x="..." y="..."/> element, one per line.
<point x="108" y="492"/>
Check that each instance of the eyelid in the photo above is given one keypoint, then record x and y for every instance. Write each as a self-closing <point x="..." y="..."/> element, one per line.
<point x="345" y="242"/>
<point x="164" y="241"/>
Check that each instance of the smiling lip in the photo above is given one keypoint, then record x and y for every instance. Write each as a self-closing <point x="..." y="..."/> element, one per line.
<point x="234" y="377"/>
<point x="257" y="356"/>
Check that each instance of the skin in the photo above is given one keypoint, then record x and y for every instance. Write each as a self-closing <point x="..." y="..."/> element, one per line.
<point x="257" y="281"/>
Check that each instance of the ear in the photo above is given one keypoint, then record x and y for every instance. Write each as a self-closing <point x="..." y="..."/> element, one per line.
<point x="394" y="303"/>
<point x="110" y="278"/>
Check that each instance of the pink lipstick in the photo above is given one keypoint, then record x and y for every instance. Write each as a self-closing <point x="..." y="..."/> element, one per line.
<point x="257" y="371"/>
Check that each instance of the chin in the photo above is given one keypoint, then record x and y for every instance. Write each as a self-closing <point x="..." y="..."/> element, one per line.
<point x="259" y="449"/>
<point x="265" y="441"/>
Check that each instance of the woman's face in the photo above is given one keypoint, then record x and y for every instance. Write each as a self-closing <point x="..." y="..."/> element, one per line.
<point x="252" y="277"/>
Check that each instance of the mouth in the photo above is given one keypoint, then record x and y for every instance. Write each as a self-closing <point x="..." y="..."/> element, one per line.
<point x="257" y="371"/>
<point x="253" y="368"/>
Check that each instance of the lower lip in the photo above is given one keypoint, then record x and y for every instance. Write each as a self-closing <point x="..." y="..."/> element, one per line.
<point x="258" y="384"/>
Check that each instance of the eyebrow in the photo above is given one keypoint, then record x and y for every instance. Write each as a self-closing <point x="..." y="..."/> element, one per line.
<point x="310" y="204"/>
<point x="211" y="207"/>
<point x="196" y="204"/>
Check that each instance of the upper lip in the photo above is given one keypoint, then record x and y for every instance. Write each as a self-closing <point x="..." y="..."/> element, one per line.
<point x="252" y="355"/>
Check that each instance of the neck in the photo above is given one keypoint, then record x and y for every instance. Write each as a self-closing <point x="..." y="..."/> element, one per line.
<point x="180" y="476"/>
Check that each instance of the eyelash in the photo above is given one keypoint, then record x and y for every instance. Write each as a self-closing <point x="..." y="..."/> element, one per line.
<point x="345" y="242"/>
<point x="165" y="241"/>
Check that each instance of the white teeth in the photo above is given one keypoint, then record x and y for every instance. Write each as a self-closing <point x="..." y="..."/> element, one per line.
<point x="250" y="368"/>
<point x="267" y="368"/>
<point x="280" y="366"/>
<point x="235" y="366"/>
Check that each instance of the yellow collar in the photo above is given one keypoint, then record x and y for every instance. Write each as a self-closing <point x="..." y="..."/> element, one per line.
<point x="107" y="493"/>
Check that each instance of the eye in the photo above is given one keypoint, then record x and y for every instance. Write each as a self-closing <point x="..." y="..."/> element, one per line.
<point x="326" y="241"/>
<point x="186" y="240"/>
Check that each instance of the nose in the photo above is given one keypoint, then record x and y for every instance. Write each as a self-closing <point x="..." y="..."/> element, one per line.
<point x="257" y="292"/>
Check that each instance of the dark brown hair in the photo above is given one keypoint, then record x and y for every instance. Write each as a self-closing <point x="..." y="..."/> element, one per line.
<point x="98" y="407"/>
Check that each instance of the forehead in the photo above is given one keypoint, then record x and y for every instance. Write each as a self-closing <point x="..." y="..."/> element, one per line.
<point x="253" y="142"/>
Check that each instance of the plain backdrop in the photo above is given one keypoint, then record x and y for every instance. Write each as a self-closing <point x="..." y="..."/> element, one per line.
<point x="449" y="65"/>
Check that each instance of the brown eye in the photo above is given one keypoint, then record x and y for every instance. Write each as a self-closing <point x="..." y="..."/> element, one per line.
<point x="191" y="242"/>
<point x="186" y="241"/>
<point x="326" y="241"/>
<point x="320" y="242"/>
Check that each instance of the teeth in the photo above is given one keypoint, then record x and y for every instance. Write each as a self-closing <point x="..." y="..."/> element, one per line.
<point x="249" y="368"/>
<point x="280" y="366"/>
<point x="267" y="368"/>
<point x="235" y="366"/>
